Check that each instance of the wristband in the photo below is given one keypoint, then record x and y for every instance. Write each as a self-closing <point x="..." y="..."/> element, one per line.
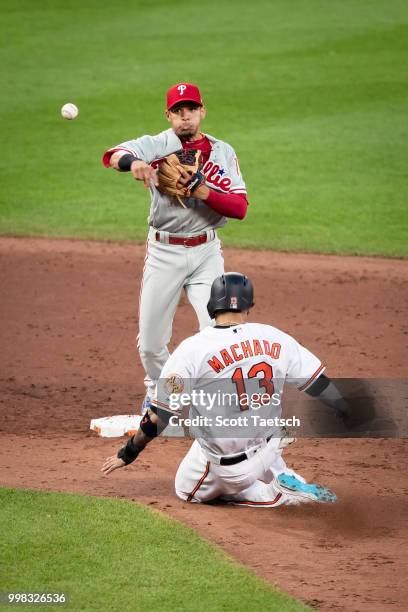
<point x="148" y="428"/>
<point x="196" y="181"/>
<point x="126" y="161"/>
<point x="129" y="452"/>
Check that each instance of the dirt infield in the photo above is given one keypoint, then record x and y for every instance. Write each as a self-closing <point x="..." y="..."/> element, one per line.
<point x="69" y="321"/>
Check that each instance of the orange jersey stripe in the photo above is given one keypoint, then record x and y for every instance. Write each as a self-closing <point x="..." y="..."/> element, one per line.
<point x="311" y="379"/>
<point x="200" y="482"/>
<point x="160" y="404"/>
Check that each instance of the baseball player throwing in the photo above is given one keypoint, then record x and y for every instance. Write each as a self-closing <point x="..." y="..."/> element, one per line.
<point x="195" y="183"/>
<point x="233" y="355"/>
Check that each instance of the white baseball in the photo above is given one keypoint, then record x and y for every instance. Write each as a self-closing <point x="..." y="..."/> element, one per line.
<point x="69" y="111"/>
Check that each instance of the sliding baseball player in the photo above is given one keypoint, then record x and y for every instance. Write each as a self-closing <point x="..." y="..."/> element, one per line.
<point x="238" y="359"/>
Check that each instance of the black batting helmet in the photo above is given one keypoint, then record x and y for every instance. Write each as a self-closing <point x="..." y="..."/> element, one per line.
<point x="231" y="292"/>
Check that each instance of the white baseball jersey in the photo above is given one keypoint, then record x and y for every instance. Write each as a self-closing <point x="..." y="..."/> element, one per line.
<point x="222" y="174"/>
<point x="240" y="360"/>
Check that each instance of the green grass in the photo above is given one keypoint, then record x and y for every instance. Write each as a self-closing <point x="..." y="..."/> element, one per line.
<point x="115" y="555"/>
<point x="312" y="95"/>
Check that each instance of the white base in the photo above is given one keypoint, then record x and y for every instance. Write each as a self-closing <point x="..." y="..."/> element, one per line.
<point x="116" y="426"/>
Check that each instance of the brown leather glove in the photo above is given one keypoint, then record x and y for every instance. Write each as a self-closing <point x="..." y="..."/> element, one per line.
<point x="171" y="176"/>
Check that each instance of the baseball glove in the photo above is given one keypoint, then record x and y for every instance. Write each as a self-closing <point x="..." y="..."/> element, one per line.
<point x="170" y="174"/>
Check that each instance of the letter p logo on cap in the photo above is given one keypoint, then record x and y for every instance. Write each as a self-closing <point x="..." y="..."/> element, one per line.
<point x="183" y="92"/>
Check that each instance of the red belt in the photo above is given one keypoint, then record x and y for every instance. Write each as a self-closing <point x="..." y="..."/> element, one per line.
<point x="187" y="242"/>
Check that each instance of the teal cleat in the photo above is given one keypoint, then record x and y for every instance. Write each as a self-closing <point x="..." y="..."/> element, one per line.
<point x="288" y="483"/>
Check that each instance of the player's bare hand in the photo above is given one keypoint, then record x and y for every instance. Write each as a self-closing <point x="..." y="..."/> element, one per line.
<point x="143" y="172"/>
<point x="201" y="192"/>
<point x="111" y="464"/>
<point x="185" y="177"/>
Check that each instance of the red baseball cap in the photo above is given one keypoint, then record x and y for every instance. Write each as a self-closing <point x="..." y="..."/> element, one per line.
<point x="183" y="92"/>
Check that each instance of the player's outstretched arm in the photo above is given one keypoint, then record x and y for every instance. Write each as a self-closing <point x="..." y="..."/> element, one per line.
<point x="327" y="392"/>
<point x="353" y="412"/>
<point x="147" y="431"/>
<point x="141" y="171"/>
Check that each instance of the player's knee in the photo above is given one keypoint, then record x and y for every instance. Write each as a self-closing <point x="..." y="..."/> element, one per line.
<point x="149" y="351"/>
<point x="181" y="483"/>
<point x="186" y="496"/>
<point x="183" y="496"/>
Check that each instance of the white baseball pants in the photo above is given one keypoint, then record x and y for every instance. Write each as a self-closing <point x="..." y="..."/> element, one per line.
<point x="168" y="270"/>
<point x="248" y="483"/>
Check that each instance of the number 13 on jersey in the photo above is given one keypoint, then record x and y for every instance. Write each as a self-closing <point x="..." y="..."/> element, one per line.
<point x="265" y="382"/>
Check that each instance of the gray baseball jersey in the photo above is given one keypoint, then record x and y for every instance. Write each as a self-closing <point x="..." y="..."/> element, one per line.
<point x="221" y="171"/>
